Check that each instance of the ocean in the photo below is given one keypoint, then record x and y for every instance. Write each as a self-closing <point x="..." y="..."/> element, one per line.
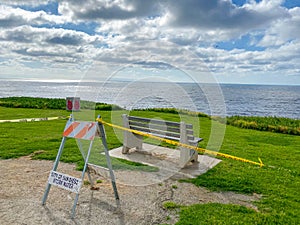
<point x="223" y="99"/>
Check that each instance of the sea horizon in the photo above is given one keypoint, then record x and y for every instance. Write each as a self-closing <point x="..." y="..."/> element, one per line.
<point x="238" y="99"/>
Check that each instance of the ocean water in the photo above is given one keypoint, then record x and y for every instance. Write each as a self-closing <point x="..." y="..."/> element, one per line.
<point x="223" y="99"/>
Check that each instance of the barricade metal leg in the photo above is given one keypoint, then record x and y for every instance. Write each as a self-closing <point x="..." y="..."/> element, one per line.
<point x="61" y="147"/>
<point x="84" y="157"/>
<point x="82" y="178"/>
<point x="112" y="176"/>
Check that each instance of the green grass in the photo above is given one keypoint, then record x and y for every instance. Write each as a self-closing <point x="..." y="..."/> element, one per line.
<point x="278" y="182"/>
<point x="170" y="205"/>
<point x="212" y="212"/>
<point x="25" y="138"/>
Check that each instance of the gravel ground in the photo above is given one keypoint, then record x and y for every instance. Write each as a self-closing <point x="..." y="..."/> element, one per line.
<point x="23" y="181"/>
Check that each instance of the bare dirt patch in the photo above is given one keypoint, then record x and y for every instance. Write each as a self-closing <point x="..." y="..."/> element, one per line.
<point x="23" y="181"/>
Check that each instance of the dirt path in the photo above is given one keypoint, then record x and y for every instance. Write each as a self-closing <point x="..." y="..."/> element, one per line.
<point x="22" y="184"/>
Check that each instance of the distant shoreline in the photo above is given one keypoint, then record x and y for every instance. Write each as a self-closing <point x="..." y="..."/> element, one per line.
<point x="211" y="99"/>
<point x="271" y="124"/>
<point x="129" y="81"/>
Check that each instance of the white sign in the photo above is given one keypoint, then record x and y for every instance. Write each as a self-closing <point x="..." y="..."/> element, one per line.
<point x="64" y="181"/>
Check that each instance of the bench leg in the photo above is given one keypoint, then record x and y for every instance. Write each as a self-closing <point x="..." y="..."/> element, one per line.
<point x="186" y="156"/>
<point x="139" y="144"/>
<point x="125" y="149"/>
<point x="194" y="155"/>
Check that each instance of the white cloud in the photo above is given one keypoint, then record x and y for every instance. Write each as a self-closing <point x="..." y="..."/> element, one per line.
<point x="47" y="36"/>
<point x="12" y="17"/>
<point x="108" y="9"/>
<point x="284" y="30"/>
<point x="26" y="2"/>
<point x="51" y="48"/>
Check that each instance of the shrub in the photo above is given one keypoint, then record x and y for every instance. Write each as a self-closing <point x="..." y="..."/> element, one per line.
<point x="272" y="124"/>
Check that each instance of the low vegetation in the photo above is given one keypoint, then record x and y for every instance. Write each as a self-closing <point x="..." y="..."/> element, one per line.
<point x="273" y="124"/>
<point x="50" y="103"/>
<point x="170" y="205"/>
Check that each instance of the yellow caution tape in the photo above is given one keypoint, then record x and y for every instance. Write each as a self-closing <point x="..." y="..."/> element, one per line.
<point x="32" y="119"/>
<point x="201" y="150"/>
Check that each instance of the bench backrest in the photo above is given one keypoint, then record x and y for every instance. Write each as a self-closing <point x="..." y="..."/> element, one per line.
<point x="166" y="129"/>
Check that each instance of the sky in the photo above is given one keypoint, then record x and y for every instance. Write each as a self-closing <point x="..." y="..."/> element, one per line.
<point x="234" y="41"/>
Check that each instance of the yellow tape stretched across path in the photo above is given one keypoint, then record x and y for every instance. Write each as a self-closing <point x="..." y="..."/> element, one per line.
<point x="201" y="150"/>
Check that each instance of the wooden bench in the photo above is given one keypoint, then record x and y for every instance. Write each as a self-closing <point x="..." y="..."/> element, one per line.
<point x="181" y="132"/>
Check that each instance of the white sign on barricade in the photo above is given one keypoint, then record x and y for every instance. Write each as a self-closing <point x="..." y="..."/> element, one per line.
<point x="64" y="181"/>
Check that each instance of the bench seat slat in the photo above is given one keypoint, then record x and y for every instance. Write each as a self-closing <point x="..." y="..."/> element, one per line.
<point x="156" y="132"/>
<point x="161" y="128"/>
<point x="154" y="121"/>
<point x="163" y="134"/>
<point x="160" y="124"/>
<point x="169" y="137"/>
<point x="155" y="126"/>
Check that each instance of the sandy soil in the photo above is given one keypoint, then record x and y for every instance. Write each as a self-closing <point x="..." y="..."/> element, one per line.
<point x="23" y="181"/>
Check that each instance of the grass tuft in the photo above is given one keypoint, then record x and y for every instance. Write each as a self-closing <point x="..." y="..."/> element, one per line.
<point x="170" y="205"/>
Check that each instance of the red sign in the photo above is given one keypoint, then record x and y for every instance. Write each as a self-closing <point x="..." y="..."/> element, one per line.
<point x="73" y="104"/>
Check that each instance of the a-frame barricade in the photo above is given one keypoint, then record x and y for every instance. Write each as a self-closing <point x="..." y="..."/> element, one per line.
<point x="81" y="130"/>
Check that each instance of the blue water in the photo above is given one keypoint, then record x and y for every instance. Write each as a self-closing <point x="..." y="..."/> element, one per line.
<point x="226" y="99"/>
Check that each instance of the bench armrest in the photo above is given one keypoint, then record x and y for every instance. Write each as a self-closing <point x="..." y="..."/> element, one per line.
<point x="196" y="140"/>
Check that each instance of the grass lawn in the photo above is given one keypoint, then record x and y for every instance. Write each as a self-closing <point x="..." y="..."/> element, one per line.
<point x="278" y="182"/>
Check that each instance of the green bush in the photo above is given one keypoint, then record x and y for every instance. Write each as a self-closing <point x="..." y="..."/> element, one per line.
<point x="272" y="124"/>
<point x="50" y="103"/>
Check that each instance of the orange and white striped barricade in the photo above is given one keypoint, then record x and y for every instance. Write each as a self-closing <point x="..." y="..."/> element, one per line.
<point x="80" y="130"/>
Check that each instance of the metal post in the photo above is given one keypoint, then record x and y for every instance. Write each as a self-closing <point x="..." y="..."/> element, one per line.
<point x="62" y="144"/>
<point x="82" y="178"/>
<point x="83" y="156"/>
<point x="61" y="147"/>
<point x="112" y="176"/>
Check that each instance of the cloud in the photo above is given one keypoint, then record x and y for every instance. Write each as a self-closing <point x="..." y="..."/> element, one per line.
<point x="222" y="18"/>
<point x="51" y="47"/>
<point x="194" y="22"/>
<point x="13" y="17"/>
<point x="25" y="2"/>
<point x="42" y="36"/>
<point x="153" y="34"/>
<point x="283" y="31"/>
<point x="67" y="39"/>
<point x="108" y="9"/>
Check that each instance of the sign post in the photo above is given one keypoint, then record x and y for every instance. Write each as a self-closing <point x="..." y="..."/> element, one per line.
<point x="79" y="130"/>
